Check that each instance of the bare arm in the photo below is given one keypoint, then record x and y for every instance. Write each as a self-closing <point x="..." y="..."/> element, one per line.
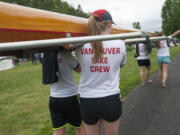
<point x="176" y="33"/>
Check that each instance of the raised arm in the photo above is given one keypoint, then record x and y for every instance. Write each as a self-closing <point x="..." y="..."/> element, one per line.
<point x="176" y="33"/>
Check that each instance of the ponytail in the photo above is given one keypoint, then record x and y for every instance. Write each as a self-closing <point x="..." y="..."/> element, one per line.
<point x="96" y="28"/>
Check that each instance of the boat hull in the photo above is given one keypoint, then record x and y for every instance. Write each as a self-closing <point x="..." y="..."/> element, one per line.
<point x="19" y="23"/>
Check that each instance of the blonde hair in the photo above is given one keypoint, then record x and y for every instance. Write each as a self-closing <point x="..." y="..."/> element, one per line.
<point x="96" y="28"/>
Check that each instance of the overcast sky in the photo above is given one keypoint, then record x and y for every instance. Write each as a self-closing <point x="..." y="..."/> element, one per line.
<point x="125" y="12"/>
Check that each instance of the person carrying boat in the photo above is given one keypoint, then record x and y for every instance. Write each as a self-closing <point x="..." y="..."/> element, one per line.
<point x="99" y="82"/>
<point x="63" y="103"/>
<point x="163" y="59"/>
<point x="143" y="62"/>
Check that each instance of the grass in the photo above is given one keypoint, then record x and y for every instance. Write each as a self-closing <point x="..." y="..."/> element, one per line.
<point x="24" y="100"/>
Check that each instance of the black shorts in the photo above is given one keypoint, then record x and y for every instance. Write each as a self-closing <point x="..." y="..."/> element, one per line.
<point x="145" y="63"/>
<point x="108" y="108"/>
<point x="65" y="111"/>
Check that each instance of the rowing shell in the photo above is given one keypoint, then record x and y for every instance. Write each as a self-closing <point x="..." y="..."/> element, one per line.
<point x="19" y="23"/>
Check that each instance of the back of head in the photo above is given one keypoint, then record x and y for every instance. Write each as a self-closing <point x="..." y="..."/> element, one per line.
<point x="95" y="27"/>
<point x="97" y="24"/>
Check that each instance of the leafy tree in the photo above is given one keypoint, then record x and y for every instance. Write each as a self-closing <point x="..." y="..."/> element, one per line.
<point x="170" y="16"/>
<point x="136" y="25"/>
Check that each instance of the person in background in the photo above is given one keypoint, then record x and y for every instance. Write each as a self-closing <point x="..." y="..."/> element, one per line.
<point x="63" y="103"/>
<point x="144" y="63"/>
<point x="22" y="60"/>
<point x="33" y="59"/>
<point x="99" y="82"/>
<point x="38" y="57"/>
<point x="16" y="61"/>
<point x="163" y="59"/>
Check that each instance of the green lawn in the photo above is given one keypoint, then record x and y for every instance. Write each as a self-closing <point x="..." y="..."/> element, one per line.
<point x="24" y="100"/>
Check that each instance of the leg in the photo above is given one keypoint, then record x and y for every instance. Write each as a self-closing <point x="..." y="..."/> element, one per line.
<point x="142" y="74"/>
<point x="93" y="129"/>
<point x="32" y="61"/>
<point x="148" y="74"/>
<point x="59" y="131"/>
<point x="111" y="128"/>
<point x="81" y="130"/>
<point x="35" y="61"/>
<point x="57" y="116"/>
<point x="165" y="74"/>
<point x="160" y="72"/>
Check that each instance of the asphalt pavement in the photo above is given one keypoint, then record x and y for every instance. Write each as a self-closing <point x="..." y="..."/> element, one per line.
<point x="153" y="110"/>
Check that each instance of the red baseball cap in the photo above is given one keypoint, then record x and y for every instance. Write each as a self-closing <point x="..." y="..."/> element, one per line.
<point x="101" y="15"/>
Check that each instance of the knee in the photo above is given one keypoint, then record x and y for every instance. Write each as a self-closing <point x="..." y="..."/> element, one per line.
<point x="142" y="71"/>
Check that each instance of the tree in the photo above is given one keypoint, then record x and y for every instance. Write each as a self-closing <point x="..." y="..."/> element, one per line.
<point x="170" y="16"/>
<point x="136" y="25"/>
